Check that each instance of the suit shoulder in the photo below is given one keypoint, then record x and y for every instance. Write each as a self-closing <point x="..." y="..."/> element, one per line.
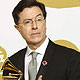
<point x="63" y="50"/>
<point x="66" y="50"/>
<point x="18" y="54"/>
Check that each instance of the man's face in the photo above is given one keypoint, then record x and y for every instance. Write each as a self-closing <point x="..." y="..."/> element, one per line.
<point x="32" y="25"/>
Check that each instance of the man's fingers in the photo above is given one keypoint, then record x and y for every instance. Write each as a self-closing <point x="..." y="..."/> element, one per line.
<point x="40" y="77"/>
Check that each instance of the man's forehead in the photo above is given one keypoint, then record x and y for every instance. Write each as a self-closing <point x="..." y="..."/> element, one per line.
<point x="31" y="8"/>
<point x="31" y="12"/>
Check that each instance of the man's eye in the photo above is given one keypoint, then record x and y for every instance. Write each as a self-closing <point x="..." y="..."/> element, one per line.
<point x="39" y="19"/>
<point x="28" y="21"/>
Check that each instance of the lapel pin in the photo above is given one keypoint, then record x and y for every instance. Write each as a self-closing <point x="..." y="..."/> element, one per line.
<point x="44" y="63"/>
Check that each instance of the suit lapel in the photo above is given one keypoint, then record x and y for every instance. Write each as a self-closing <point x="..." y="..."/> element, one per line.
<point x="21" y="60"/>
<point x="46" y="60"/>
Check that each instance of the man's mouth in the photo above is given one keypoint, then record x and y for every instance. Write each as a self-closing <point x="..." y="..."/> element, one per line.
<point x="35" y="33"/>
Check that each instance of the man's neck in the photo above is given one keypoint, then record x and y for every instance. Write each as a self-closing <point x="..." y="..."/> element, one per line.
<point x="36" y="45"/>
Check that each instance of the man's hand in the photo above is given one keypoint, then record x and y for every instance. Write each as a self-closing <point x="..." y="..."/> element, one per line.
<point x="40" y="77"/>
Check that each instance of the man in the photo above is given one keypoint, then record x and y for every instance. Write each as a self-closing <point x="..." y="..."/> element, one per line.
<point x="54" y="62"/>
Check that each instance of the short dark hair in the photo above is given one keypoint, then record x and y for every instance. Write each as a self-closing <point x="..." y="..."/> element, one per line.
<point x="24" y="4"/>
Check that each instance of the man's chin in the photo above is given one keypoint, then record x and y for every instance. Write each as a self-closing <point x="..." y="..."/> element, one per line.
<point x="34" y="42"/>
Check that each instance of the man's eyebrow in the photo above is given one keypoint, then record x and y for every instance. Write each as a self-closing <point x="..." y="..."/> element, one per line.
<point x="38" y="15"/>
<point x="27" y="19"/>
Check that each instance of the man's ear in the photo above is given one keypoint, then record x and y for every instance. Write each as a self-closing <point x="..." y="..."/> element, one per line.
<point x="45" y="20"/>
<point x="17" y="27"/>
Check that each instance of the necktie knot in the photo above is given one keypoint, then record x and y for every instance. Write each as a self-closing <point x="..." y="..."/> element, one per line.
<point x="34" y="55"/>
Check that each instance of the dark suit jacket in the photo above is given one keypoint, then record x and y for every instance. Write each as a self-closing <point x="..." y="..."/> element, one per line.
<point x="62" y="63"/>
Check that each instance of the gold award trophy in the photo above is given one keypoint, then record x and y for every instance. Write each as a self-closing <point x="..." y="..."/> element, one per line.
<point x="16" y="73"/>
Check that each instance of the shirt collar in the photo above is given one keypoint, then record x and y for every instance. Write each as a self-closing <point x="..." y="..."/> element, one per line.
<point x="41" y="49"/>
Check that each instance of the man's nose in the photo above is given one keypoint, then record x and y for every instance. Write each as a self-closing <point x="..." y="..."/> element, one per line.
<point x="34" y="25"/>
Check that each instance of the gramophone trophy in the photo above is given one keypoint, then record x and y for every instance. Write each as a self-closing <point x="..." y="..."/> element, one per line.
<point x="14" y="73"/>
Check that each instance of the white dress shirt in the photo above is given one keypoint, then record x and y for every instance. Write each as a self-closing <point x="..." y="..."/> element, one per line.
<point x="28" y="57"/>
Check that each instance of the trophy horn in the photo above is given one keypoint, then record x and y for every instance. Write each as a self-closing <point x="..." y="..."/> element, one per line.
<point x="9" y="66"/>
